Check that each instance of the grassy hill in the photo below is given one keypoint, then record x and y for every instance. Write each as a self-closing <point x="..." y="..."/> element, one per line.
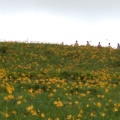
<point x="56" y="82"/>
<point x="52" y="60"/>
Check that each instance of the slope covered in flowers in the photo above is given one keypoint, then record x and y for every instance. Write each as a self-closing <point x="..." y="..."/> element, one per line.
<point x="59" y="82"/>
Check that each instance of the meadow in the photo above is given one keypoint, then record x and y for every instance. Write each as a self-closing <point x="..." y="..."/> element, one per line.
<point x="40" y="81"/>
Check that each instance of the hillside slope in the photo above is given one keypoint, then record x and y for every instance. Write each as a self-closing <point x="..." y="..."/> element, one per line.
<point x="62" y="61"/>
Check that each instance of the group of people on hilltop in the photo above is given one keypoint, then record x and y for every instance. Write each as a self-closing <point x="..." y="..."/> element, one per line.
<point x="99" y="44"/>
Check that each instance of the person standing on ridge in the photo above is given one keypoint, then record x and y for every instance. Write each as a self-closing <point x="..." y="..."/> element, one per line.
<point x="109" y="45"/>
<point x="76" y="43"/>
<point x="99" y="45"/>
<point x="88" y="44"/>
<point x="118" y="46"/>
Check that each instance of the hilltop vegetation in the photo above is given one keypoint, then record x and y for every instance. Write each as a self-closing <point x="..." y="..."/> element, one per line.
<point x="52" y="60"/>
<point x="56" y="82"/>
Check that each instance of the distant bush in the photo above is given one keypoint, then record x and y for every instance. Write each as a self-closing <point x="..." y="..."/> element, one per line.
<point x="74" y="75"/>
<point x="3" y="49"/>
<point x="115" y="63"/>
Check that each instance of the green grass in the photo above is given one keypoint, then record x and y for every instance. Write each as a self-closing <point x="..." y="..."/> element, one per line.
<point x="60" y="82"/>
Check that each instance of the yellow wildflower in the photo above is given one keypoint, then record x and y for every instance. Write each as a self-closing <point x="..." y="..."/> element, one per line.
<point x="69" y="117"/>
<point x="20" y="97"/>
<point x="42" y="115"/>
<point x="99" y="104"/>
<point x="102" y="114"/>
<point x="87" y="105"/>
<point x="18" y="102"/>
<point x="29" y="108"/>
<point x="76" y="102"/>
<point x="34" y="113"/>
<point x="30" y="90"/>
<point x="14" y="112"/>
<point x="6" y="115"/>
<point x="115" y="109"/>
<point x="9" y="88"/>
<point x="92" y="114"/>
<point x="58" y="103"/>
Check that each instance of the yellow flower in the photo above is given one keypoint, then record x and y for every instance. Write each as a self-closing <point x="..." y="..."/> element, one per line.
<point x="9" y="97"/>
<point x="115" y="109"/>
<point x="76" y="102"/>
<point x="102" y="114"/>
<point x="6" y="115"/>
<point x="58" y="103"/>
<point x="6" y="98"/>
<point x="34" y="113"/>
<point x="50" y="95"/>
<point x="118" y="104"/>
<point x="106" y="90"/>
<point x="102" y="96"/>
<point x="82" y="94"/>
<point x="18" y="102"/>
<point x="30" y="90"/>
<point x="32" y="110"/>
<point x="99" y="104"/>
<point x="57" y="119"/>
<point x="29" y="108"/>
<point x="42" y="115"/>
<point x="70" y="103"/>
<point x="110" y="100"/>
<point x="20" y="97"/>
<point x="92" y="114"/>
<point x="14" y="112"/>
<point x="88" y="92"/>
<point x="81" y="111"/>
<point x="98" y="96"/>
<point x="9" y="88"/>
<point x="69" y="117"/>
<point x="79" y="115"/>
<point x="87" y="105"/>
<point x="24" y="100"/>
<point x="49" y="119"/>
<point x="54" y="90"/>
<point x="2" y="73"/>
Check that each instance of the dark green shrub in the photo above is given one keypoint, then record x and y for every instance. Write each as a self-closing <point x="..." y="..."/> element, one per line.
<point x="3" y="49"/>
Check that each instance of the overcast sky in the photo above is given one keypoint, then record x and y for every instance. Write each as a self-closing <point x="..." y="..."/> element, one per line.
<point x="59" y="21"/>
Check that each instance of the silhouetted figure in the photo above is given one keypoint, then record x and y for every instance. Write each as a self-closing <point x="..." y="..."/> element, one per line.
<point x="99" y="45"/>
<point x="88" y="44"/>
<point x="109" y="45"/>
<point x="118" y="46"/>
<point x="62" y="43"/>
<point x="76" y="43"/>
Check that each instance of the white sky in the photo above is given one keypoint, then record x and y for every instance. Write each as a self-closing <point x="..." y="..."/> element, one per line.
<point x="57" y="21"/>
